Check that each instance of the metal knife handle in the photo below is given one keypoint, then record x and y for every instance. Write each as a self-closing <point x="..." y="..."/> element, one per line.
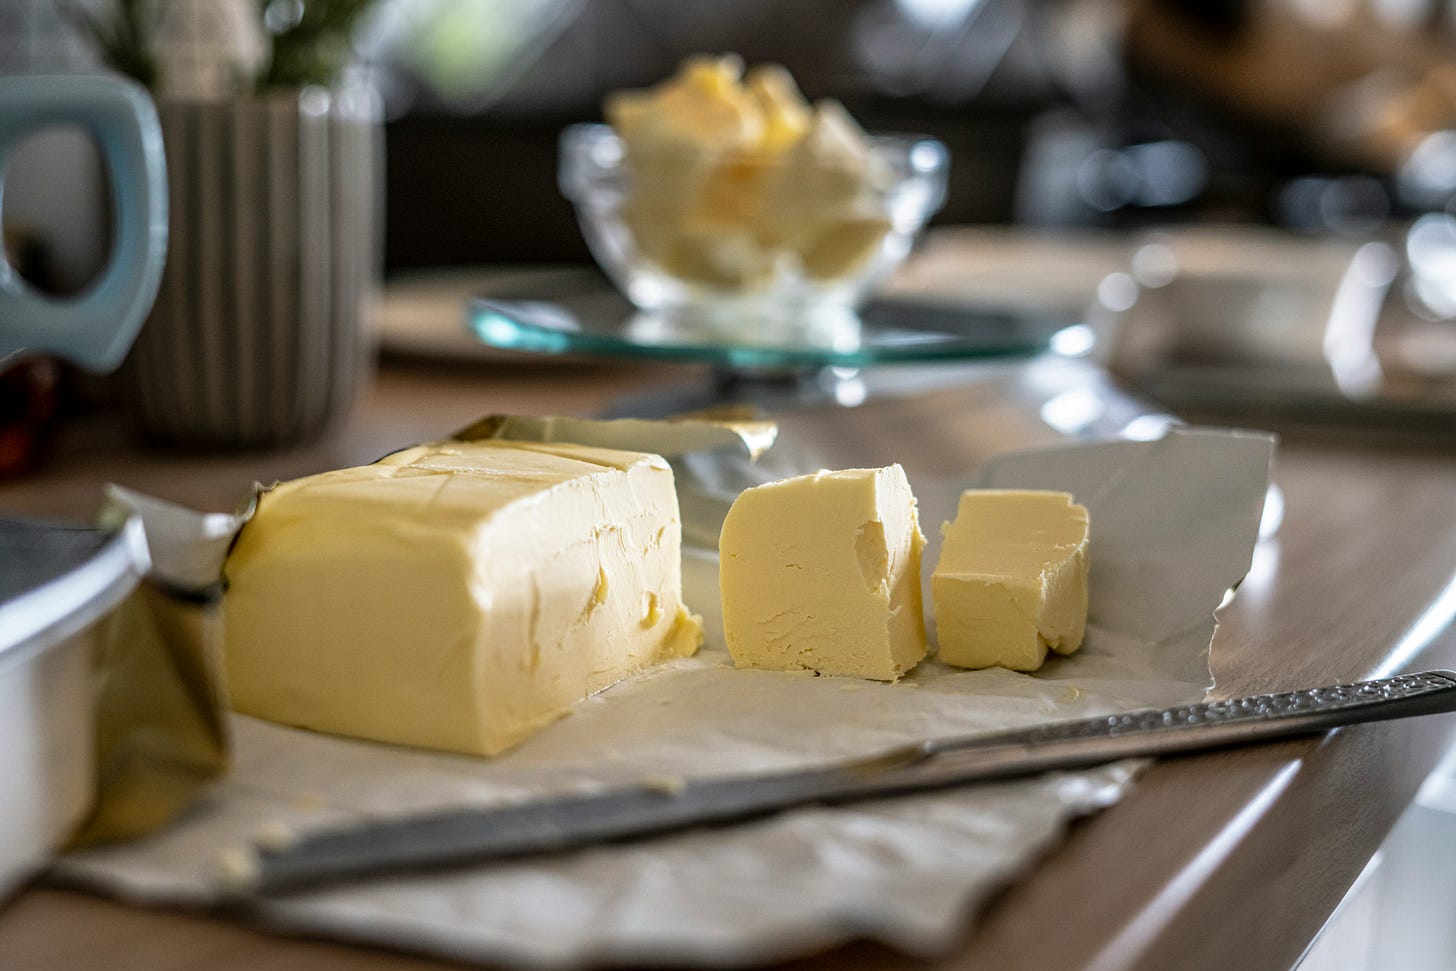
<point x="462" y="836"/>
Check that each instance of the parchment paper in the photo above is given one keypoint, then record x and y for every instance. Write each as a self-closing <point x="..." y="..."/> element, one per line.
<point x="1174" y="523"/>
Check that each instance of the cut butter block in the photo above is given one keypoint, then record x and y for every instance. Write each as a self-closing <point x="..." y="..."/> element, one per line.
<point x="822" y="573"/>
<point x="455" y="596"/>
<point x="1012" y="579"/>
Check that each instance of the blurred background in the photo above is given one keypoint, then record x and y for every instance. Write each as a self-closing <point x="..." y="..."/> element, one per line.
<point x="1322" y="116"/>
<point x="1302" y="152"/>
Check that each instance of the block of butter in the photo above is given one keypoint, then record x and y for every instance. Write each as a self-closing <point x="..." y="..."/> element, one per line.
<point x="1012" y="579"/>
<point x="822" y="573"/>
<point x="455" y="596"/>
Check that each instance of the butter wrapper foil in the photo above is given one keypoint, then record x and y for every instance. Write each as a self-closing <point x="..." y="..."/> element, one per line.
<point x="161" y="728"/>
<point x="713" y="453"/>
<point x="708" y="431"/>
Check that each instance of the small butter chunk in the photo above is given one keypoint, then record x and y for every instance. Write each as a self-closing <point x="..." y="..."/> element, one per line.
<point x="703" y="106"/>
<point x="786" y="115"/>
<point x="455" y="596"/>
<point x="822" y="573"/>
<point x="1012" y="579"/>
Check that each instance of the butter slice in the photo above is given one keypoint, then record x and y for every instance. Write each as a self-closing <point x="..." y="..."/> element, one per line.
<point x="822" y="573"/>
<point x="1012" y="579"/>
<point x="455" y="596"/>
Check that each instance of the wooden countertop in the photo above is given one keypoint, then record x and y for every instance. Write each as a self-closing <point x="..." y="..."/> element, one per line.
<point x="1224" y="860"/>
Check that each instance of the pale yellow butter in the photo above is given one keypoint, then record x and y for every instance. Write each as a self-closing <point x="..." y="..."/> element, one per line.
<point x="822" y="573"/>
<point x="455" y="596"/>
<point x="739" y="176"/>
<point x="1012" y="579"/>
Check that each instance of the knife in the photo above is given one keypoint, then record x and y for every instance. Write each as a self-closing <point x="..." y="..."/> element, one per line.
<point x="466" y="836"/>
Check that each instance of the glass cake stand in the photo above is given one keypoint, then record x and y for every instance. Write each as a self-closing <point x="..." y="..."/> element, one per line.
<point x="580" y="313"/>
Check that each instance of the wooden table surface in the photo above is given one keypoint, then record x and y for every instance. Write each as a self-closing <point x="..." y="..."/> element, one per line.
<point x="1216" y="861"/>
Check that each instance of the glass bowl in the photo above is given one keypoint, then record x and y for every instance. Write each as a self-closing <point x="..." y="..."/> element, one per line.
<point x="774" y="250"/>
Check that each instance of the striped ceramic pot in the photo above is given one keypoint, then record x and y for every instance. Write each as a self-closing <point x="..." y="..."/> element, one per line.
<point x="259" y="337"/>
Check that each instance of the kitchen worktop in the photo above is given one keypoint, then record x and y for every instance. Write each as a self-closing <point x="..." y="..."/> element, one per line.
<point x="1232" y="859"/>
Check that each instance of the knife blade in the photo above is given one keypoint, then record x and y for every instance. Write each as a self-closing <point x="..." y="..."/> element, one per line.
<point x="469" y="836"/>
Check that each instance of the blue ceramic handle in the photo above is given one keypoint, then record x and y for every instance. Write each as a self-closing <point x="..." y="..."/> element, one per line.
<point x="96" y="328"/>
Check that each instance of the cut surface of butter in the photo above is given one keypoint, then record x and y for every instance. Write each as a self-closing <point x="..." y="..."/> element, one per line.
<point x="1012" y="579"/>
<point x="822" y="573"/>
<point x="455" y="596"/>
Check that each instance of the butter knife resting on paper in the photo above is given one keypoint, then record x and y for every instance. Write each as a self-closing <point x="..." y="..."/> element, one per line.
<point x="466" y="836"/>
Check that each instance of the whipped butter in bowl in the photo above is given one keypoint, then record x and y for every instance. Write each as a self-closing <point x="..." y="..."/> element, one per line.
<point x="723" y="201"/>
